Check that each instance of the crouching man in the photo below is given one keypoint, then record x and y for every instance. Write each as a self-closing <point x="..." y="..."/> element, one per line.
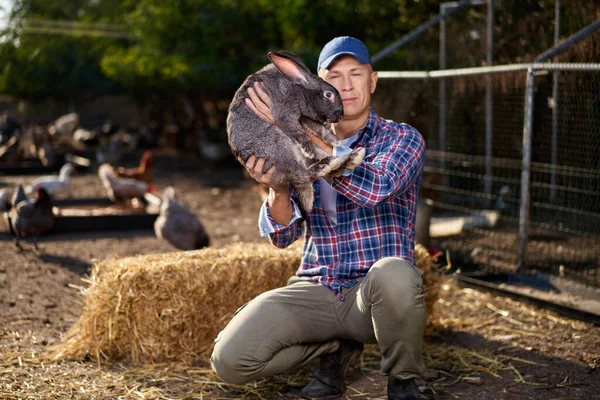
<point x="357" y="282"/>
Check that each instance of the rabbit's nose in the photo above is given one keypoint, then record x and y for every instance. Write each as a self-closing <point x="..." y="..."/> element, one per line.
<point x="338" y="115"/>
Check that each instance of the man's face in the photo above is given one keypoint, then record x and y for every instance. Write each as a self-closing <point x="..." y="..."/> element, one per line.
<point x="356" y="83"/>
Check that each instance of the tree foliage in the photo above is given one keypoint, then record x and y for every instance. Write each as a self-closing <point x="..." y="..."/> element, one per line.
<point x="212" y="45"/>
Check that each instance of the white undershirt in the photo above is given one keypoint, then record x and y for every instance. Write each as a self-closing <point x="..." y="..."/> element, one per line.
<point x="328" y="194"/>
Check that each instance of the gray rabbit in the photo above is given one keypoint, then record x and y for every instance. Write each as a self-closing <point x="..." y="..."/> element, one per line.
<point x="299" y="100"/>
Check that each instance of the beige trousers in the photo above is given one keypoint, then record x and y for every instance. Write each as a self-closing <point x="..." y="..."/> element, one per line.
<point x="287" y="327"/>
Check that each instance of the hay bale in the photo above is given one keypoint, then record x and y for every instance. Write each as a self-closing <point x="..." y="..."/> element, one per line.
<point x="432" y="281"/>
<point x="170" y="307"/>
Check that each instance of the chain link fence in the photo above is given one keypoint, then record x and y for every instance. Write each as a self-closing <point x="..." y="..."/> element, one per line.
<point x="476" y="183"/>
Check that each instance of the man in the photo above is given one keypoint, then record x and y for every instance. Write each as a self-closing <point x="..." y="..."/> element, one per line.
<point x="357" y="282"/>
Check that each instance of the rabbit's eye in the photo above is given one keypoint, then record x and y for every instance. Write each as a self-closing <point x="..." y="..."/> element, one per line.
<point x="328" y="94"/>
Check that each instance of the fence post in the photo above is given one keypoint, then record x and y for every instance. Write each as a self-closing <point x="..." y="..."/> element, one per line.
<point x="489" y="101"/>
<point x="442" y="110"/>
<point x="526" y="169"/>
<point x="555" y="112"/>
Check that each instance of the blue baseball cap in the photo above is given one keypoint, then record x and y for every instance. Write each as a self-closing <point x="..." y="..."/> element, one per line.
<point x="343" y="45"/>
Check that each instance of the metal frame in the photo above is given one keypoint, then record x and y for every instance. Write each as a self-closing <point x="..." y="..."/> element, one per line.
<point x="527" y="135"/>
<point x="555" y="109"/>
<point x="447" y="9"/>
<point x="539" y="64"/>
<point x="444" y="8"/>
<point x="496" y="69"/>
<point x="419" y="30"/>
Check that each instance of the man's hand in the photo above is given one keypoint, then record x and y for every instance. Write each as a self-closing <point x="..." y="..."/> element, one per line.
<point x="255" y="167"/>
<point x="260" y="103"/>
<point x="279" y="196"/>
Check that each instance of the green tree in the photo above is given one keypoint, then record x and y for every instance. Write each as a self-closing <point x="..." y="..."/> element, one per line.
<point x="37" y="65"/>
<point x="210" y="46"/>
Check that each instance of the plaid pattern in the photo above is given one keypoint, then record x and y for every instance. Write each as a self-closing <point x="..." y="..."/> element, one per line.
<point x="375" y="211"/>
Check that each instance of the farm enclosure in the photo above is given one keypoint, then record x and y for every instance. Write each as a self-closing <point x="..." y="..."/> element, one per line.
<point x="39" y="302"/>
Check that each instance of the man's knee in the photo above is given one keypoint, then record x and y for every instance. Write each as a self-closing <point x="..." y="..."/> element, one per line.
<point x="396" y="272"/>
<point x="229" y="358"/>
<point x="226" y="363"/>
<point x="395" y="279"/>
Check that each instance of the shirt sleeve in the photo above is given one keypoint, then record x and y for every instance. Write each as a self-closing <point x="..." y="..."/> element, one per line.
<point x="340" y="151"/>
<point x="397" y="165"/>
<point x="279" y="235"/>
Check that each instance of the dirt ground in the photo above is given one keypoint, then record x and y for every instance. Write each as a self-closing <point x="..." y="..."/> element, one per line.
<point x="486" y="346"/>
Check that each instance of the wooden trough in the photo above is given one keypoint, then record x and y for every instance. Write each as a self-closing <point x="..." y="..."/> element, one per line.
<point x="26" y="167"/>
<point x="101" y="214"/>
<point x="33" y="166"/>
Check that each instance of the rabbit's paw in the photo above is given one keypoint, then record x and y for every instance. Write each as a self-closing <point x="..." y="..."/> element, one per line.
<point x="337" y="162"/>
<point x="319" y="169"/>
<point x="355" y="158"/>
<point x="334" y="173"/>
<point x="347" y="162"/>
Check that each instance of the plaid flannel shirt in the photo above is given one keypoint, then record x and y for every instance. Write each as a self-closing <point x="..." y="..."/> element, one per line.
<point x="376" y="208"/>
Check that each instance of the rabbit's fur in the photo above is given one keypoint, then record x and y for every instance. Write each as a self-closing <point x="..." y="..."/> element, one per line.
<point x="299" y="100"/>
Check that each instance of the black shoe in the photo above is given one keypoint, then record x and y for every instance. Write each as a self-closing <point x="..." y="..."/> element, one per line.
<point x="329" y="379"/>
<point x="402" y="389"/>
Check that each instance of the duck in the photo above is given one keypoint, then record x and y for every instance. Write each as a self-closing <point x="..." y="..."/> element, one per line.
<point x="177" y="225"/>
<point x="54" y="185"/>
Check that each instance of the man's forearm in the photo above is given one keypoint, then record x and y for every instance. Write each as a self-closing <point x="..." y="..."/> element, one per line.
<point x="280" y="206"/>
<point x="317" y="141"/>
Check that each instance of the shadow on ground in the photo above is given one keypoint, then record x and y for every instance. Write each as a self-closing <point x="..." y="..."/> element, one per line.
<point x="73" y="264"/>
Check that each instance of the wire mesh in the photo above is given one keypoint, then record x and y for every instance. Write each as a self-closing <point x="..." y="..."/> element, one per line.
<point x="486" y="220"/>
<point x="565" y="180"/>
<point x="478" y="223"/>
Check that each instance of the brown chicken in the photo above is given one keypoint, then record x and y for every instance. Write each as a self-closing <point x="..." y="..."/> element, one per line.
<point x="142" y="173"/>
<point x="31" y="218"/>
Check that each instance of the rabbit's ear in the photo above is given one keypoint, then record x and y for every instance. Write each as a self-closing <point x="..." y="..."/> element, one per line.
<point x="290" y="65"/>
<point x="293" y="57"/>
